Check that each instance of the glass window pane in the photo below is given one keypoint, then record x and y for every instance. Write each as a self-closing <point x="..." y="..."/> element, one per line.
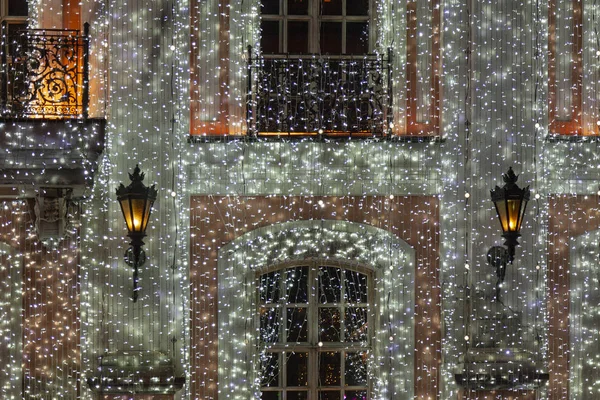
<point x="357" y="38"/>
<point x="270" y="7"/>
<point x="269" y="287"/>
<point x="295" y="395"/>
<point x="329" y="324"/>
<point x="329" y="395"/>
<point x="355" y="395"/>
<point x="297" y="37"/>
<point x="269" y="39"/>
<point x="330" y="284"/>
<point x="269" y="369"/>
<point x="270" y="396"/>
<point x="297" y="7"/>
<point x="269" y="325"/>
<point x="355" y="369"/>
<point x="356" y="324"/>
<point x="329" y="368"/>
<point x="296" y="282"/>
<point x="356" y="287"/>
<point x="297" y="325"/>
<point x="331" y="7"/>
<point x="331" y="37"/>
<point x="18" y="8"/>
<point x="357" y="7"/>
<point x="13" y="28"/>
<point x="297" y="369"/>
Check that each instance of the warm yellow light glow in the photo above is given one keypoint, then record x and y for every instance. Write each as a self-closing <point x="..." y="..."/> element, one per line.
<point x="508" y="211"/>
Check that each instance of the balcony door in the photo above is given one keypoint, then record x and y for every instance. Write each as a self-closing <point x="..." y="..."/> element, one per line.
<point x="324" y="27"/>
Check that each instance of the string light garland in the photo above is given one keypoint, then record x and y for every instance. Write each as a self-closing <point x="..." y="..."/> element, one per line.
<point x="230" y="210"/>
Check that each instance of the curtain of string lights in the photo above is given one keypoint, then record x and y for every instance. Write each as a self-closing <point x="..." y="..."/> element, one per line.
<point x="519" y="86"/>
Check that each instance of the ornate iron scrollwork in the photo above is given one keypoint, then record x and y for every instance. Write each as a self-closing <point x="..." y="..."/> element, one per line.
<point x="45" y="74"/>
<point x="313" y="94"/>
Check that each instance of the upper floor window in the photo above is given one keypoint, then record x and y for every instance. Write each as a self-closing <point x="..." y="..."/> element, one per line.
<point x="315" y="26"/>
<point x="17" y="8"/>
<point x="315" y="332"/>
<point x="13" y="15"/>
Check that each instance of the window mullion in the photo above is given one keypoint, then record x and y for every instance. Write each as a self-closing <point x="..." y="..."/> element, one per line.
<point x="315" y="27"/>
<point x="313" y="306"/>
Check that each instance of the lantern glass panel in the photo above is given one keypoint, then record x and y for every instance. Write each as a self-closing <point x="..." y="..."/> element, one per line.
<point x="148" y="204"/>
<point x="139" y="215"/>
<point x="509" y="213"/>
<point x="126" y="209"/>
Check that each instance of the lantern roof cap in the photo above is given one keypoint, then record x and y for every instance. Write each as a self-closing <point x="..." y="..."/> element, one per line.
<point x="510" y="190"/>
<point x="137" y="187"/>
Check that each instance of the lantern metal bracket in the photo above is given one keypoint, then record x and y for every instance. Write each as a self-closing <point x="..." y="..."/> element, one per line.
<point x="497" y="257"/>
<point x="130" y="259"/>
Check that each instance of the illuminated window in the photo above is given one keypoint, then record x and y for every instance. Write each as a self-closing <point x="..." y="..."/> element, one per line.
<point x="315" y="332"/>
<point x="312" y="26"/>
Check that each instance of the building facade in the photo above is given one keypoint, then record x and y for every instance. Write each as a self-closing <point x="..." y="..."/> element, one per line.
<point x="323" y="227"/>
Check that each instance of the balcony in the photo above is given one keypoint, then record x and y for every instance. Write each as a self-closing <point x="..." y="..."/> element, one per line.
<point x="44" y="74"/>
<point x="313" y="95"/>
<point x="46" y="137"/>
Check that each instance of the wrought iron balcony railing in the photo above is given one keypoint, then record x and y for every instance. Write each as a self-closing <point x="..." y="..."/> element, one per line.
<point x="44" y="74"/>
<point x="311" y="95"/>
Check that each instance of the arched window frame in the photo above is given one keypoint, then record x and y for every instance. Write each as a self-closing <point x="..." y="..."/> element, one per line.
<point x="393" y="266"/>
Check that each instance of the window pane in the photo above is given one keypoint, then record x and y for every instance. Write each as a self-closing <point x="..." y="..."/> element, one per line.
<point x="270" y="396"/>
<point x="355" y="395"/>
<point x="296" y="282"/>
<point x="12" y="32"/>
<point x="18" y="8"/>
<point x="331" y="7"/>
<point x="297" y="37"/>
<point x="356" y="324"/>
<point x="355" y="368"/>
<point x="329" y="395"/>
<point x="269" y="39"/>
<point x="269" y="287"/>
<point x="331" y="37"/>
<point x="297" y="7"/>
<point x="356" y="287"/>
<point x="357" y="38"/>
<point x="269" y="7"/>
<point x="329" y="368"/>
<point x="269" y="325"/>
<point x="297" y="326"/>
<point x="297" y="395"/>
<point x="330" y="284"/>
<point x="13" y="28"/>
<point x="269" y="369"/>
<point x="297" y="369"/>
<point x="329" y="324"/>
<point x="357" y="7"/>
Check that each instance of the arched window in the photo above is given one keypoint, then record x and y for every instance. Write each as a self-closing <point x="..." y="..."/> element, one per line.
<point x="286" y="287"/>
<point x="315" y="331"/>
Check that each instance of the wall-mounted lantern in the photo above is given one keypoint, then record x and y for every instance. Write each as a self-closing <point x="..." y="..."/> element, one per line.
<point x="510" y="201"/>
<point x="136" y="201"/>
